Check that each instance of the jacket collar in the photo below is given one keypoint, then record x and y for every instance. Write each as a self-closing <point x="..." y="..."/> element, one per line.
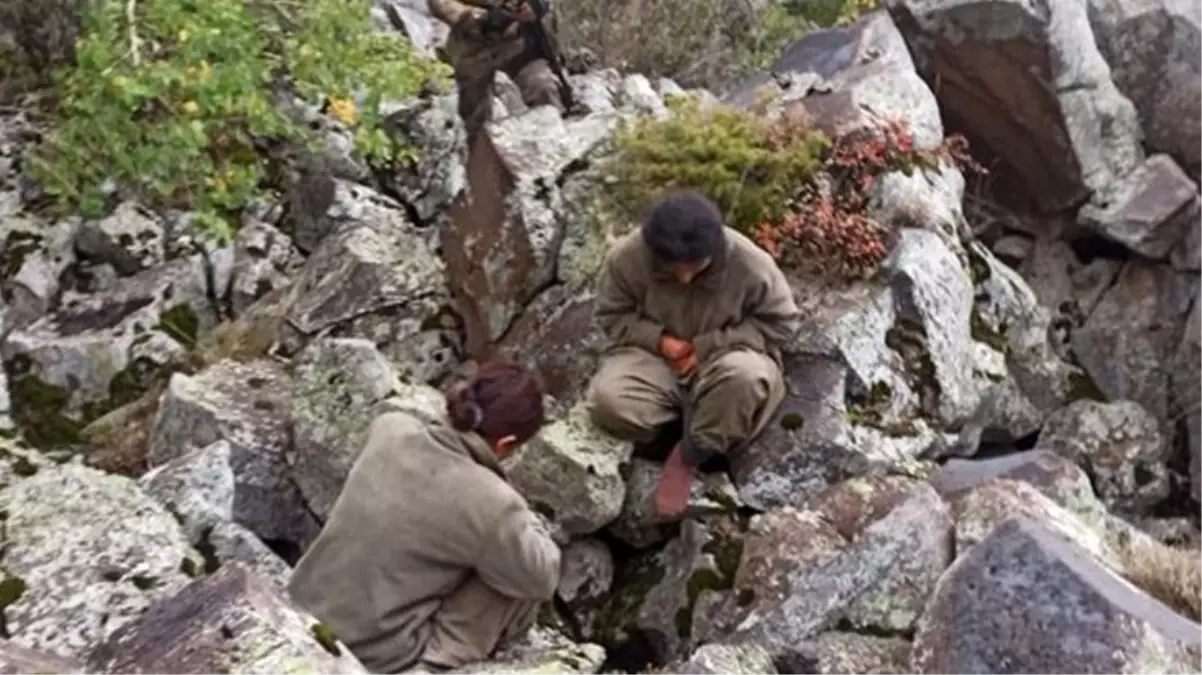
<point x="467" y="443"/>
<point x="710" y="277"/>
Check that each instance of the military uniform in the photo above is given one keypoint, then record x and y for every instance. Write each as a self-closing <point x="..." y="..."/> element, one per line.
<point x="739" y="313"/>
<point x="476" y="56"/>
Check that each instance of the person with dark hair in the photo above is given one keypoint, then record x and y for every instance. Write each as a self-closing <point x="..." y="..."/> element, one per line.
<point x="692" y="309"/>
<point x="430" y="558"/>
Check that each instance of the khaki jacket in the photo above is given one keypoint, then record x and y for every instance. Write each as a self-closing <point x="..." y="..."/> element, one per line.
<point x="741" y="300"/>
<point x="424" y="507"/>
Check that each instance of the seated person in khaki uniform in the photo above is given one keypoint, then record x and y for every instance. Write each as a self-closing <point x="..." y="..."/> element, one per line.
<point x="486" y="35"/>
<point x="691" y="308"/>
<point x="429" y="557"/>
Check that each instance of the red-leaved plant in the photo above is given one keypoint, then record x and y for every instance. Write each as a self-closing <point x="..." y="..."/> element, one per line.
<point x="829" y="234"/>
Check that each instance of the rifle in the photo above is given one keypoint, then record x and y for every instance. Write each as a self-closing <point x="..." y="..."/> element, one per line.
<point x="540" y="41"/>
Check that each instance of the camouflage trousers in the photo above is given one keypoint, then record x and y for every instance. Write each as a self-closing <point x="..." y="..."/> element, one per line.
<point x="532" y="75"/>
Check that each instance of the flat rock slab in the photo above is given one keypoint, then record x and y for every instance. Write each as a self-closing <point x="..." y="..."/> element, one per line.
<point x="1028" y="600"/>
<point x="230" y="622"/>
<point x="16" y="659"/>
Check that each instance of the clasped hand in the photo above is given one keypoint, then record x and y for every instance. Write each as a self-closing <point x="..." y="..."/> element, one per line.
<point x="508" y="22"/>
<point x="679" y="352"/>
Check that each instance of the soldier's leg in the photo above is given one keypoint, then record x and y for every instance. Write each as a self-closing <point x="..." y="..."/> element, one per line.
<point x="473" y="622"/>
<point x="633" y="395"/>
<point x="733" y="399"/>
<point x="475" y="100"/>
<point x="537" y="83"/>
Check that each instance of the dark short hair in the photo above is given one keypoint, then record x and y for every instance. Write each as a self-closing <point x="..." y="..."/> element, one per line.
<point x="684" y="226"/>
<point x="499" y="399"/>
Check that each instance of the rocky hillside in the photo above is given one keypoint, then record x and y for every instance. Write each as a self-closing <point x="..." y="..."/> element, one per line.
<point x="181" y="413"/>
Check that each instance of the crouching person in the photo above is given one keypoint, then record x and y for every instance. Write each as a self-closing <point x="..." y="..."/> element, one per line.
<point x="691" y="309"/>
<point x="430" y="559"/>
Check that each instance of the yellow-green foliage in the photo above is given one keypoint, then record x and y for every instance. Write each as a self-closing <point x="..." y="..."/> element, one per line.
<point x="173" y="100"/>
<point x="750" y="166"/>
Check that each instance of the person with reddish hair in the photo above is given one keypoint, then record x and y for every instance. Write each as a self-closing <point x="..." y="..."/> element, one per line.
<point x="430" y="558"/>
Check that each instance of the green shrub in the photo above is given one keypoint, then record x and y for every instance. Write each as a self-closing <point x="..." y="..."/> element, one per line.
<point x="803" y="198"/>
<point x="173" y="103"/>
<point x="749" y="166"/>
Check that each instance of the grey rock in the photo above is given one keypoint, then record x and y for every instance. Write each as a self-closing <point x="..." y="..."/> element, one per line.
<point x="837" y="652"/>
<point x="233" y="543"/>
<point x="1152" y="49"/>
<point x="197" y="487"/>
<point x="247" y="405"/>
<point x="378" y="277"/>
<point x="1150" y="210"/>
<point x="715" y="659"/>
<point x="34" y="255"/>
<point x="263" y="259"/>
<point x="435" y="129"/>
<point x="900" y="556"/>
<point x="96" y="352"/>
<point x="340" y="385"/>
<point x="1121" y="447"/>
<point x="16" y="659"/>
<point x="231" y="621"/>
<point x="542" y="651"/>
<point x="412" y="18"/>
<point x="127" y="239"/>
<point x="1024" y="574"/>
<point x="933" y="292"/>
<point x="93" y="550"/>
<point x="572" y="470"/>
<point x="637" y="94"/>
<point x="924" y="199"/>
<point x="586" y="576"/>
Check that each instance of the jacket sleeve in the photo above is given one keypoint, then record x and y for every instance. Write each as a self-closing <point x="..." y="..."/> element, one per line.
<point x="519" y="559"/>
<point x="457" y="14"/>
<point x="618" y="312"/>
<point x="771" y="321"/>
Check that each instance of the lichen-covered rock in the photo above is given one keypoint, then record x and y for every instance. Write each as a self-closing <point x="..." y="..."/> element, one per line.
<point x="33" y="257"/>
<point x="263" y="259"/>
<point x="1128" y="340"/>
<point x="1185" y="380"/>
<point x="91" y="551"/>
<point x="641" y="526"/>
<point x="1059" y="122"/>
<point x="842" y="653"/>
<point x="1012" y="602"/>
<point x="980" y="510"/>
<point x="716" y="659"/>
<point x="542" y="651"/>
<point x="376" y="276"/>
<point x="571" y="472"/>
<point x="586" y="576"/>
<point x="434" y="127"/>
<point x="501" y="245"/>
<point x="341" y="385"/>
<point x="1121" y="447"/>
<point x="198" y="488"/>
<point x="1151" y="47"/>
<point x="1150" y="211"/>
<point x="848" y="78"/>
<point x="934" y="296"/>
<point x="247" y="405"/>
<point x="15" y="659"/>
<point x="228" y="622"/>
<point x="127" y="239"/>
<point x="875" y="560"/>
<point x="656" y="604"/>
<point x="97" y="352"/>
<point x="781" y="545"/>
<point x="1056" y="477"/>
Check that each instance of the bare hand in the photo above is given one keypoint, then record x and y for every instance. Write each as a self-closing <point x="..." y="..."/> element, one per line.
<point x="672" y="493"/>
<point x="512" y="30"/>
<point x="525" y="13"/>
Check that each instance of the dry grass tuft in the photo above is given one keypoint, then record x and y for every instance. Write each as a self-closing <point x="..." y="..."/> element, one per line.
<point x="1170" y="574"/>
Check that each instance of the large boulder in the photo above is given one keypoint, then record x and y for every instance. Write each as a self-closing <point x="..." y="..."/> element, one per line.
<point x="373" y="274"/>
<point x="1027" y="80"/>
<point x="228" y="622"/>
<point x="248" y="405"/>
<point x="85" y="554"/>
<point x="1011" y="603"/>
<point x="341" y="385"/>
<point x="640" y="526"/>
